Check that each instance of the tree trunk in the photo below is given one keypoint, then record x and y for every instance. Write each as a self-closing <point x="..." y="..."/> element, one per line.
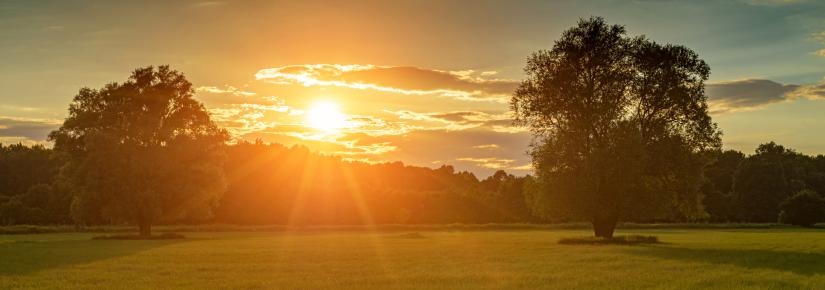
<point x="604" y="225"/>
<point x="145" y="228"/>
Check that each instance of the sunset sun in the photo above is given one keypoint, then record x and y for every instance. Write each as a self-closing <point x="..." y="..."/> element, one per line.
<point x="325" y="116"/>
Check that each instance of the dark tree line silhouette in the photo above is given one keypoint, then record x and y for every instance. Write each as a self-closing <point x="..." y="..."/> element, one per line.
<point x="275" y="184"/>
<point x="764" y="186"/>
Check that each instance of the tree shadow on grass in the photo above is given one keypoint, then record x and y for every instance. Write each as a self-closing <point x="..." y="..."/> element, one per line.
<point x="796" y="262"/>
<point x="23" y="257"/>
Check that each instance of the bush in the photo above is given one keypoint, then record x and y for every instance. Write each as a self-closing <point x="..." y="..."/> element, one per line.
<point x="805" y="208"/>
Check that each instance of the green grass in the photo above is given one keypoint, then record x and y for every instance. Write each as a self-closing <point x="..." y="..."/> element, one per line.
<point x="489" y="259"/>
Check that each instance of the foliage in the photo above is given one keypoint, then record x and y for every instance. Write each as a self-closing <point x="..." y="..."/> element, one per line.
<point x="767" y="178"/>
<point x="804" y="208"/>
<point x="261" y="192"/>
<point x="718" y="185"/>
<point x="26" y="191"/>
<point x="431" y="197"/>
<point x="144" y="151"/>
<point x="741" y="188"/>
<point x="619" y="123"/>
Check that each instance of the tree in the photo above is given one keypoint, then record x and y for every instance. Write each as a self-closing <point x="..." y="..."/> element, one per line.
<point x="804" y="208"/>
<point x="718" y="186"/>
<point x="763" y="181"/>
<point x="143" y="151"/>
<point x="26" y="191"/>
<point x="618" y="125"/>
<point x="505" y="197"/>
<point x="22" y="167"/>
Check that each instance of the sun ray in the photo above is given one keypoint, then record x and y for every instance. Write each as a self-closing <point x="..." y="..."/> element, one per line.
<point x="354" y="189"/>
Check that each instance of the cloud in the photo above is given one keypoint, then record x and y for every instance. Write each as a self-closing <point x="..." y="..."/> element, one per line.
<point x="240" y="111"/>
<point x="465" y="85"/>
<point x="461" y="120"/>
<point x="746" y="94"/>
<point x="486" y="146"/>
<point x="207" y="4"/>
<point x="21" y="108"/>
<point x="26" y="130"/>
<point x="229" y="95"/>
<point x="749" y="94"/>
<point x="424" y="147"/>
<point x="489" y="162"/>
<point x="227" y="89"/>
<point x="819" y="37"/>
<point x="774" y="2"/>
<point x="525" y="167"/>
<point x="416" y="131"/>
<point x="811" y="92"/>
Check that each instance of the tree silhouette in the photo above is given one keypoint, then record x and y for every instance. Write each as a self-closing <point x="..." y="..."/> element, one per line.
<point x="718" y="186"/>
<point x="618" y="124"/>
<point x="143" y="151"/>
<point x="804" y="208"/>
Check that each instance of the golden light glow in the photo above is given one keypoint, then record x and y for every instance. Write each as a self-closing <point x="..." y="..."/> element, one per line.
<point x="326" y="116"/>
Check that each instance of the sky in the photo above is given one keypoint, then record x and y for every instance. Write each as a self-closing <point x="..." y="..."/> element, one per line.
<point x="422" y="82"/>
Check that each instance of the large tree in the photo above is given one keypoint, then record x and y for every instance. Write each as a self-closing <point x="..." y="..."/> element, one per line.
<point x="618" y="126"/>
<point x="143" y="151"/>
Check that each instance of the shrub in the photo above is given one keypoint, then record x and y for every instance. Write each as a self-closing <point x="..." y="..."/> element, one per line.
<point x="805" y="208"/>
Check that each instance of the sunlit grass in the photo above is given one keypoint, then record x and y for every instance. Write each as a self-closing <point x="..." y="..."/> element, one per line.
<point x="512" y="259"/>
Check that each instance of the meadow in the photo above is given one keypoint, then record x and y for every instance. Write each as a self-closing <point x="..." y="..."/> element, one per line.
<point x="786" y="258"/>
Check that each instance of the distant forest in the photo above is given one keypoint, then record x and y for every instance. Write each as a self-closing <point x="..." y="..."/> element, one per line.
<point x="275" y="184"/>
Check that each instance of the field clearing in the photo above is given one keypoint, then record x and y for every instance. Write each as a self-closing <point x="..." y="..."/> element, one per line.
<point x="492" y="259"/>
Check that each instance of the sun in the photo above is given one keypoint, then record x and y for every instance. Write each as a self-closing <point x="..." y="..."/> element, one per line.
<point x="326" y="116"/>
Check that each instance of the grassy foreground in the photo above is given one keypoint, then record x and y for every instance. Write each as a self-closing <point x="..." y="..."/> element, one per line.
<point x="687" y="259"/>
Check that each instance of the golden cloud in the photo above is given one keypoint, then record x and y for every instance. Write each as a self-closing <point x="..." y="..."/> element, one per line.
<point x="811" y="92"/>
<point x="486" y="146"/>
<point x="369" y="133"/>
<point x="465" y="85"/>
<point x="489" y="162"/>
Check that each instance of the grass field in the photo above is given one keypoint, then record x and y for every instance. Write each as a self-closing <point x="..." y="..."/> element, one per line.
<point x="514" y="259"/>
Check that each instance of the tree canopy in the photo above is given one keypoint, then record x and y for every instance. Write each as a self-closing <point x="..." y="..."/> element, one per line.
<point x="618" y="123"/>
<point x="143" y="151"/>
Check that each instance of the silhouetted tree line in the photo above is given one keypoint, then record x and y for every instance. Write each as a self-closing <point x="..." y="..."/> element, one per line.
<point x="275" y="184"/>
<point x="29" y="191"/>
<point x="774" y="183"/>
